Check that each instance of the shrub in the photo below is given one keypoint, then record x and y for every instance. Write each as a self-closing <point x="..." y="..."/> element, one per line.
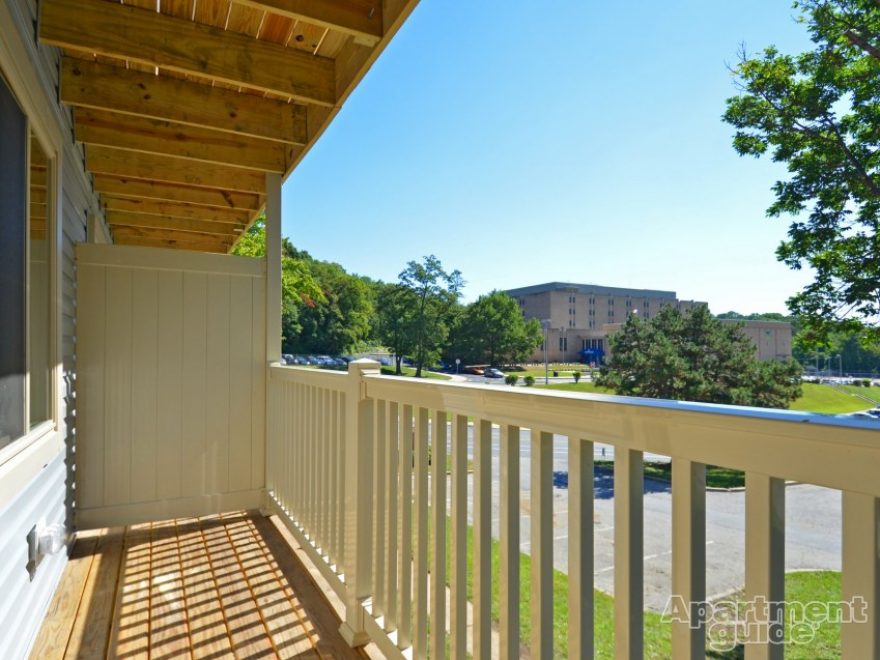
<point x="866" y="382"/>
<point x="577" y="376"/>
<point x="857" y="383"/>
<point x="511" y="379"/>
<point x="529" y="381"/>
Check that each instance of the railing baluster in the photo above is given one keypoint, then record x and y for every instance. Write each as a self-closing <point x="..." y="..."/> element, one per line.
<point x="420" y="618"/>
<point x="379" y="488"/>
<point x="405" y="557"/>
<point x="482" y="618"/>
<point x="341" y="406"/>
<point x="295" y="471"/>
<point x="326" y="462"/>
<point x="860" y="637"/>
<point x="320" y="479"/>
<point x="541" y="535"/>
<point x="313" y="462"/>
<point x="580" y="548"/>
<point x="307" y="462"/>
<point x="628" y="553"/>
<point x="765" y="564"/>
<point x="509" y="587"/>
<point x="438" y="556"/>
<point x="458" y="595"/>
<point x="689" y="557"/>
<point x="391" y="427"/>
<point x="335" y="457"/>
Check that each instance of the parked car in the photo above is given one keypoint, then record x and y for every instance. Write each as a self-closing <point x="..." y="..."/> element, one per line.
<point x="492" y="372"/>
<point x="474" y="371"/>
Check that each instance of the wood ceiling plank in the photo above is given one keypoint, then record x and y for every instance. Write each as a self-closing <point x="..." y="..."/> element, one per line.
<point x="170" y="192"/>
<point x="157" y="136"/>
<point x="361" y="19"/>
<point x="175" y="210"/>
<point x="92" y="85"/>
<point x="152" y="38"/>
<point x="166" y="169"/>
<point x="125" y="219"/>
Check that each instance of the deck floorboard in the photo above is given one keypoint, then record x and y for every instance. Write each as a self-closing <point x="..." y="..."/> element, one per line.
<point x="223" y="586"/>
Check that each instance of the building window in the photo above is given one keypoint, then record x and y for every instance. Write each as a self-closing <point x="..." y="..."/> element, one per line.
<point x="25" y="275"/>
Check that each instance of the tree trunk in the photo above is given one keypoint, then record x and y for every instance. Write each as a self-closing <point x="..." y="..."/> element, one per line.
<point x="397" y="360"/>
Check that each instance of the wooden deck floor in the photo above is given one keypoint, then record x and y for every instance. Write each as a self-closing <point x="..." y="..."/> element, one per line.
<point x="226" y="586"/>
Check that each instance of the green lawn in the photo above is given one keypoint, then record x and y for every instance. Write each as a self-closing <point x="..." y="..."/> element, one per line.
<point x="872" y="393"/>
<point x="716" y="477"/>
<point x="816" y="398"/>
<point x="410" y="371"/>
<point x="565" y="369"/>
<point x="826" y="399"/>
<point x="583" y="386"/>
<point x="806" y="587"/>
<point x="799" y="587"/>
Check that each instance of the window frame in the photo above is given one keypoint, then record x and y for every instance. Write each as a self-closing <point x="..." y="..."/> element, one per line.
<point x="24" y="456"/>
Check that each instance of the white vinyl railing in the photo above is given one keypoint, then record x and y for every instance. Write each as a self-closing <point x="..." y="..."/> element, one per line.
<point x="357" y="468"/>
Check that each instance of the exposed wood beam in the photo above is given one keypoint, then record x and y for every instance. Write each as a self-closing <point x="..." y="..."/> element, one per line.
<point x="170" y="244"/>
<point x="221" y="229"/>
<point x="151" y="38"/>
<point x="157" y="136"/>
<point x="166" y="238"/>
<point x="152" y="190"/>
<point x="360" y="18"/>
<point x="123" y="163"/>
<point x="352" y="64"/>
<point x="174" y="210"/>
<point x="103" y="86"/>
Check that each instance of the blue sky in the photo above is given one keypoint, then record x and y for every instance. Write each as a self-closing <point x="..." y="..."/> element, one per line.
<point x="571" y="140"/>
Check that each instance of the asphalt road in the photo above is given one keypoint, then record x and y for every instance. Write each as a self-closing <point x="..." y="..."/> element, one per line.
<point x="812" y="526"/>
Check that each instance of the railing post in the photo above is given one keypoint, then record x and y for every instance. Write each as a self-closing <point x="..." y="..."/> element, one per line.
<point x="689" y="557"/>
<point x="765" y="566"/>
<point x="358" y="459"/>
<point x="629" y="561"/>
<point x="860" y="633"/>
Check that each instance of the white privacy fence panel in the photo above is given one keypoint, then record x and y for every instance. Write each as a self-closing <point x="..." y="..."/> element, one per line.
<point x="171" y="384"/>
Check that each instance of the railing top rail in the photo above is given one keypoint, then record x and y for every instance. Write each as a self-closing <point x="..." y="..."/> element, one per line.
<point x="829" y="451"/>
<point x="325" y="378"/>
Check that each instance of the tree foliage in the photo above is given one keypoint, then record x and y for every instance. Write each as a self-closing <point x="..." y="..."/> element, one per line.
<point x="819" y="112"/>
<point x="432" y="294"/>
<point x="492" y="330"/>
<point x="693" y="357"/>
<point x="395" y="305"/>
<point x="324" y="308"/>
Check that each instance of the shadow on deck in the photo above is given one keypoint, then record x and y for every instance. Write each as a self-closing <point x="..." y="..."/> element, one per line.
<point x="214" y="587"/>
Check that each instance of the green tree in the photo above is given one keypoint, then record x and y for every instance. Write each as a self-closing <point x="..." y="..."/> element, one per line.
<point x="693" y="357"/>
<point x="819" y="113"/>
<point x="299" y="289"/>
<point x="492" y="329"/>
<point x="434" y="294"/>
<point x="395" y="305"/>
<point x="341" y="319"/>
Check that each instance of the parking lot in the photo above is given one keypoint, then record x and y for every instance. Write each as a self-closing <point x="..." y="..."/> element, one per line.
<point x="812" y="526"/>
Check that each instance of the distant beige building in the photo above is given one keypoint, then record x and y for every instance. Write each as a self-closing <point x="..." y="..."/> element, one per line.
<point x="579" y="318"/>
<point x="772" y="339"/>
<point x="578" y="315"/>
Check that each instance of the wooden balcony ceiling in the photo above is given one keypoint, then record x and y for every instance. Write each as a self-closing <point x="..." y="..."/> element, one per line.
<point x="184" y="105"/>
<point x="216" y="587"/>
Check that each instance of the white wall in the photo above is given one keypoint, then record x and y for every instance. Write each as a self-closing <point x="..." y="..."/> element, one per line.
<point x="170" y="385"/>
